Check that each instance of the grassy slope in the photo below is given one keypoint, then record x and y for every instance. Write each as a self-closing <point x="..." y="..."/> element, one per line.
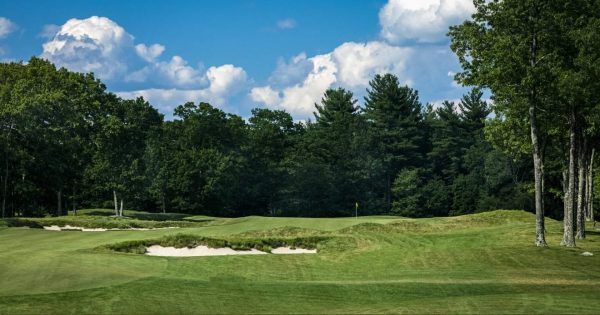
<point x="479" y="263"/>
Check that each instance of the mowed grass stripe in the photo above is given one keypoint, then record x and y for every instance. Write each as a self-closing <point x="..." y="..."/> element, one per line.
<point x="187" y="296"/>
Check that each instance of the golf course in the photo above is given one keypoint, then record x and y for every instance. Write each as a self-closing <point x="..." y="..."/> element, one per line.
<point x="477" y="263"/>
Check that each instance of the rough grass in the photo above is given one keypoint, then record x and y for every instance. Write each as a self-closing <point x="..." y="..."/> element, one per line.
<point x="482" y="263"/>
<point x="142" y="215"/>
<point x="89" y="221"/>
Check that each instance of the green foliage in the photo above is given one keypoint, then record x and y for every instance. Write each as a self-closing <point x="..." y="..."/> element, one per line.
<point x="393" y="155"/>
<point x="407" y="193"/>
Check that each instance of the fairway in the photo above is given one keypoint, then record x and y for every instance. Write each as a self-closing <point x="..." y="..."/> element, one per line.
<point x="470" y="264"/>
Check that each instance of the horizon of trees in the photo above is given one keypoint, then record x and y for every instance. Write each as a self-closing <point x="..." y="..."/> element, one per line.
<point x="67" y="143"/>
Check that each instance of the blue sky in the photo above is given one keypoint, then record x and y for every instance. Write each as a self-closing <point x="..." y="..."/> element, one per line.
<point x="241" y="54"/>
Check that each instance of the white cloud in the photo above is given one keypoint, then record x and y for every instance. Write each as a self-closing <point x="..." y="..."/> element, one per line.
<point x="299" y="83"/>
<point x="175" y="73"/>
<point x="299" y="99"/>
<point x="149" y="53"/>
<point x="95" y="44"/>
<point x="223" y="82"/>
<point x="6" y="27"/>
<point x="291" y="72"/>
<point x="351" y="65"/>
<point x="100" y="45"/>
<point x="286" y="23"/>
<point x="266" y="95"/>
<point x="225" y="79"/>
<point x="358" y="62"/>
<point x="421" y="20"/>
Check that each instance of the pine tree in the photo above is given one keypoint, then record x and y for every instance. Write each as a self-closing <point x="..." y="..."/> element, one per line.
<point x="394" y="114"/>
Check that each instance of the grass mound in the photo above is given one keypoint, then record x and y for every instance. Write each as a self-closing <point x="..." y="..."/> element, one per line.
<point x="97" y="222"/>
<point x="286" y="231"/>
<point x="190" y="241"/>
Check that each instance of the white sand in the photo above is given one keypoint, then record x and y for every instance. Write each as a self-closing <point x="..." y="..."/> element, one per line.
<point x="289" y="250"/>
<point x="83" y="229"/>
<point x="52" y="228"/>
<point x="93" y="229"/>
<point x="157" y="250"/>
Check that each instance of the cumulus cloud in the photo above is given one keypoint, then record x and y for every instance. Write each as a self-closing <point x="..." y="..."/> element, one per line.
<point x="149" y="53"/>
<point x="95" y="44"/>
<point x="223" y="82"/>
<point x="291" y="72"/>
<point x="6" y="27"/>
<point x="421" y="20"/>
<point x="350" y="65"/>
<point x="174" y="73"/>
<point x="286" y="23"/>
<point x="100" y="45"/>
<point x="225" y="79"/>
<point x="266" y="95"/>
<point x="358" y="62"/>
<point x="299" y="99"/>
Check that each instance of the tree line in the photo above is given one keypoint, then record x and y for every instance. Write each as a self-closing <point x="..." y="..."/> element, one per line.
<point x="68" y="143"/>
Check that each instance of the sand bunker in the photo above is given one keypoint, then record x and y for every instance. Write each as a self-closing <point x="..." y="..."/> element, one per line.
<point x="157" y="250"/>
<point x="84" y="229"/>
<point x="289" y="250"/>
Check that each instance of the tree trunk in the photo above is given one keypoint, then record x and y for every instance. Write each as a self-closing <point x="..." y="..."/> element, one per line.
<point x="73" y="202"/>
<point x="163" y="203"/>
<point x="581" y="157"/>
<point x="59" y="209"/>
<point x="590" y="186"/>
<point x="388" y="193"/>
<point x="538" y="162"/>
<point x="565" y="187"/>
<point x="538" y="166"/>
<point x="121" y="209"/>
<point x="5" y="188"/>
<point x="116" y="203"/>
<point x="568" y="236"/>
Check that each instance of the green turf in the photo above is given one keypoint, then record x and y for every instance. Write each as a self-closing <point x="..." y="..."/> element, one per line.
<point x="483" y="263"/>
